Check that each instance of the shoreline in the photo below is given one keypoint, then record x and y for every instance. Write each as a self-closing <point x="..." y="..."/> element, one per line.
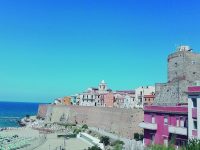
<point x="38" y="136"/>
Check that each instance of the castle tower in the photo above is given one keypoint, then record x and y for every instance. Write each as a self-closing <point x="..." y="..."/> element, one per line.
<point x="183" y="71"/>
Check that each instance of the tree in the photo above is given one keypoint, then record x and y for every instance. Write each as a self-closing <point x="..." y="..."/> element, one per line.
<point x="105" y="140"/>
<point x="136" y="136"/>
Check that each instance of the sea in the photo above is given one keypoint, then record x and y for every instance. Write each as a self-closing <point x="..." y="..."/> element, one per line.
<point x="11" y="112"/>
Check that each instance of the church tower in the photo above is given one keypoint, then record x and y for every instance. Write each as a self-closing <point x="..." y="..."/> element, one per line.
<point x="102" y="86"/>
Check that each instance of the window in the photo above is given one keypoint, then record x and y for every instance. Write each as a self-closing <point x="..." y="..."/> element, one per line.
<point x="176" y="64"/>
<point x="177" y="121"/>
<point x="195" y="124"/>
<point x="153" y="119"/>
<point x="165" y="120"/>
<point x="182" y="122"/>
<point x="194" y="100"/>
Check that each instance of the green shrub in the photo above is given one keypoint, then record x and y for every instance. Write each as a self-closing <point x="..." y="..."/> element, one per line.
<point x="105" y="140"/>
<point x="117" y="142"/>
<point x="76" y="131"/>
<point x="69" y="125"/>
<point x="85" y="126"/>
<point x="118" y="147"/>
<point x="193" y="144"/>
<point x="71" y="136"/>
<point x="141" y="137"/>
<point x="67" y="136"/>
<point x="161" y="147"/>
<point x="136" y="136"/>
<point x="94" y="148"/>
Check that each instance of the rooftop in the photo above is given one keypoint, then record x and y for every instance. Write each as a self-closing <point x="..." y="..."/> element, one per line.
<point x="167" y="109"/>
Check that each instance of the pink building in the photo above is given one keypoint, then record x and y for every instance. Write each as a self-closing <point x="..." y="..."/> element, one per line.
<point x="164" y="123"/>
<point x="194" y="111"/>
<point x="108" y="100"/>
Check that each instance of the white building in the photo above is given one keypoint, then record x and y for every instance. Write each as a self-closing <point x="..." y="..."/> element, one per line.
<point x="140" y="94"/>
<point x="129" y="101"/>
<point x="94" y="96"/>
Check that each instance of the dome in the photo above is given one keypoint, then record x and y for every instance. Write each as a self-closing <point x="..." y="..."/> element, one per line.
<point x="102" y="82"/>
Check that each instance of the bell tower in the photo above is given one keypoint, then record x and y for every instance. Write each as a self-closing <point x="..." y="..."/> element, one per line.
<point x="102" y="86"/>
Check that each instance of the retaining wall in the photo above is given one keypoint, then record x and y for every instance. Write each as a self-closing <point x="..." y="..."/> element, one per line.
<point x="123" y="122"/>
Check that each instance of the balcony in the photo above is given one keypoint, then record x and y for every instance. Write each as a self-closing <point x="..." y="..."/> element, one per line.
<point x="177" y="130"/>
<point x="194" y="112"/>
<point x="147" y="125"/>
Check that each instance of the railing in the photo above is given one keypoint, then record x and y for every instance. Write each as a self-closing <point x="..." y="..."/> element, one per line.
<point x="147" y="125"/>
<point x="91" y="139"/>
<point x="177" y="130"/>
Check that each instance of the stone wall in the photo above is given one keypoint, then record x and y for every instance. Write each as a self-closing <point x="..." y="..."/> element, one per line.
<point x="42" y="110"/>
<point x="123" y="122"/>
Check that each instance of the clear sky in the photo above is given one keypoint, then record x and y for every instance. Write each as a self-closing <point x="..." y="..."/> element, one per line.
<point x="50" y="49"/>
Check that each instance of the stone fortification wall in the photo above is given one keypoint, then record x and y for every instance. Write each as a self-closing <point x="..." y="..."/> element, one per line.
<point x="172" y="93"/>
<point x="123" y="122"/>
<point x="42" y="110"/>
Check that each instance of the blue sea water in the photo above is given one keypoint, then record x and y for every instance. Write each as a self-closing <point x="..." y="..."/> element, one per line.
<point x="11" y="112"/>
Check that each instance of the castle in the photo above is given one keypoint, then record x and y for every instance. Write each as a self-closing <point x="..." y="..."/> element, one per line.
<point x="183" y="71"/>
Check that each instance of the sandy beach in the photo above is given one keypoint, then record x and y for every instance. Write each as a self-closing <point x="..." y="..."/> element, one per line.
<point x="40" y="141"/>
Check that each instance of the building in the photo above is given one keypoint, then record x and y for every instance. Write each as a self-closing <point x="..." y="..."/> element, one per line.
<point x="108" y="100"/>
<point x="89" y="99"/>
<point x="170" y="117"/>
<point x="163" y="124"/>
<point x="140" y="94"/>
<point x="129" y="101"/>
<point x="119" y="100"/>
<point x="124" y="98"/>
<point x="66" y="100"/>
<point x="194" y="111"/>
<point x="95" y="96"/>
<point x="183" y="71"/>
<point x="149" y="99"/>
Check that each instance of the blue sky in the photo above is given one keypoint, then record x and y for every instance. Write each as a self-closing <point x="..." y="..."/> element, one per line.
<point x="50" y="49"/>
